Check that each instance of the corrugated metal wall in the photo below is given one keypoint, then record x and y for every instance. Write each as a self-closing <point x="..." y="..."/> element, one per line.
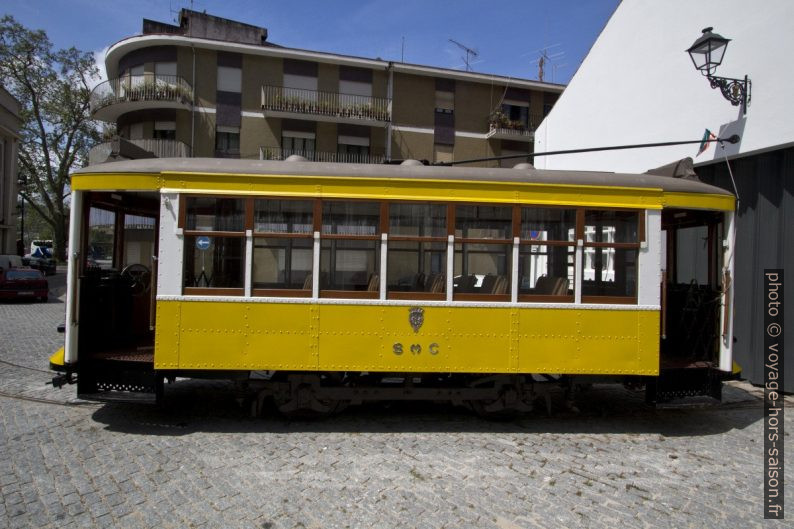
<point x="765" y="231"/>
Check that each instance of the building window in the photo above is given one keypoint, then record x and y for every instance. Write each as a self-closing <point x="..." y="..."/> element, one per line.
<point x="165" y="73"/>
<point x="227" y="141"/>
<point x="230" y="79"/>
<point x="443" y="153"/>
<point x="214" y="245"/>
<point x="445" y="102"/>
<point x="136" y="131"/>
<point x="352" y="149"/>
<point x="547" y="253"/>
<point x="164" y="130"/>
<point x="299" y="143"/>
<point x="516" y="115"/>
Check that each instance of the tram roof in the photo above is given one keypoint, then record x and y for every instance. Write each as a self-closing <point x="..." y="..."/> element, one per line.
<point x="419" y="172"/>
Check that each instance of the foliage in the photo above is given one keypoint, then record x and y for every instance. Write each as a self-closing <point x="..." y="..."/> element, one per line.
<point x="53" y="87"/>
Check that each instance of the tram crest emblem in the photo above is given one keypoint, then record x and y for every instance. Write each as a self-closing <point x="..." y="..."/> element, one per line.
<point x="416" y="317"/>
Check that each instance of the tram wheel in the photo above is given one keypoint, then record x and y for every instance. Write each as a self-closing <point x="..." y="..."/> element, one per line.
<point x="506" y="407"/>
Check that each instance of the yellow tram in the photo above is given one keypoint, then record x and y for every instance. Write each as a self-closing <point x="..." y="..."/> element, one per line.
<point x="319" y="284"/>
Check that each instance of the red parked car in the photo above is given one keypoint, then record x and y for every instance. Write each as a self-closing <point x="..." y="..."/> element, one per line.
<point x="23" y="283"/>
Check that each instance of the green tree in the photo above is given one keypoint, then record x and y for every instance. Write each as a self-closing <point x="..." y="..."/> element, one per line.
<point x="54" y="89"/>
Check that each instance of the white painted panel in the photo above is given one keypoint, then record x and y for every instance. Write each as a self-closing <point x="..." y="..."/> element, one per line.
<point x="728" y="311"/>
<point x="647" y="89"/>
<point x="72" y="282"/>
<point x="650" y="261"/>
<point x="170" y="255"/>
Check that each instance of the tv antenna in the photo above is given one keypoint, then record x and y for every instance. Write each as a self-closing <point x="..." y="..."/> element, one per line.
<point x="469" y="53"/>
<point x="545" y="59"/>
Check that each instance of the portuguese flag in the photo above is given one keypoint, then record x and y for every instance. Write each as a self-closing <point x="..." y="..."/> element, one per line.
<point x="704" y="143"/>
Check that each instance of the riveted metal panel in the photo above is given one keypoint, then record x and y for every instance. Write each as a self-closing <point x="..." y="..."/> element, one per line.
<point x="167" y="332"/>
<point x="587" y="341"/>
<point x="340" y="337"/>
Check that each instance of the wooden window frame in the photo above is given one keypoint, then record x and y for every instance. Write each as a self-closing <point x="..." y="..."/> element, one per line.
<point x="613" y="300"/>
<point x="182" y="221"/>
<point x="383" y="226"/>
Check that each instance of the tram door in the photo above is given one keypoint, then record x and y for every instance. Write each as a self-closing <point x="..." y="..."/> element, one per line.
<point x="117" y="291"/>
<point x="693" y="287"/>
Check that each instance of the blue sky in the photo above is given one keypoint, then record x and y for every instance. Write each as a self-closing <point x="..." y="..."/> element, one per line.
<point x="507" y="34"/>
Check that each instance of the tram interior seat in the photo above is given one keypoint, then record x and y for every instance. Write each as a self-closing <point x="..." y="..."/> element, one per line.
<point x="551" y="286"/>
<point x="373" y="285"/>
<point x="435" y="283"/>
<point x="488" y="284"/>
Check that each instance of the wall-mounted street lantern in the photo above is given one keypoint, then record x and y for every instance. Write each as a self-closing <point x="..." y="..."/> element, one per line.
<point x="706" y="54"/>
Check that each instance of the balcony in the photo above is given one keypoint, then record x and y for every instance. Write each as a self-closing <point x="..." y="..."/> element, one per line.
<point x="276" y="153"/>
<point x="115" y="97"/>
<point x="121" y="149"/>
<point x="314" y="105"/>
<point x="500" y="127"/>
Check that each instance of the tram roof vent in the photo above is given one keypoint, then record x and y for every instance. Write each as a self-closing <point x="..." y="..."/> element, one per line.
<point x="524" y="166"/>
<point x="296" y="158"/>
<point x="411" y="162"/>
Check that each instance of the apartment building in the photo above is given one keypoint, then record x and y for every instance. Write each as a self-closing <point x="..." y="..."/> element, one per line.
<point x="212" y="87"/>
<point x="10" y="124"/>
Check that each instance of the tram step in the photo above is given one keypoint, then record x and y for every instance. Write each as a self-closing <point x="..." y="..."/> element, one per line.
<point x="684" y="382"/>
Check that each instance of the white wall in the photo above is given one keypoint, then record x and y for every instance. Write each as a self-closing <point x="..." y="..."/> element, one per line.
<point x="638" y="85"/>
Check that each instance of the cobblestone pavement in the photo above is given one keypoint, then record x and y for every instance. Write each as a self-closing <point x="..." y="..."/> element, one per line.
<point x="201" y="462"/>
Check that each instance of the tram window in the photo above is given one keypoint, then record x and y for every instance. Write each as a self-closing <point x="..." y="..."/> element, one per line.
<point x="415" y="266"/>
<point x="611" y="250"/>
<point x="547" y="224"/>
<point x="692" y="255"/>
<point x="417" y="251"/>
<point x="547" y="269"/>
<point x="283" y="216"/>
<point x="351" y="218"/>
<point x="214" y="214"/>
<point x="482" y="268"/>
<point x="351" y="265"/>
<point x="484" y="222"/>
<point x="214" y="258"/>
<point x="214" y="262"/>
<point x="417" y="220"/>
<point x="611" y="226"/>
<point x="101" y="237"/>
<point x="282" y="263"/>
<point x="139" y="240"/>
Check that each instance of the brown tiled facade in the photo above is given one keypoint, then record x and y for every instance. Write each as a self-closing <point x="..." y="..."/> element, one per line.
<point x="236" y="95"/>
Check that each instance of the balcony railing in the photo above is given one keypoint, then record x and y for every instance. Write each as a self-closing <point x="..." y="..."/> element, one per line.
<point x="500" y="126"/>
<point x="156" y="147"/>
<point x="139" y="91"/>
<point x="330" y="104"/>
<point x="276" y="153"/>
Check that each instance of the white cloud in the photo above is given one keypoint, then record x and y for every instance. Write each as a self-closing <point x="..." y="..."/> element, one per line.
<point x="99" y="60"/>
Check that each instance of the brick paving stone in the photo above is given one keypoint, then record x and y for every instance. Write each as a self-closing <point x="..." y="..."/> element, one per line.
<point x="203" y="462"/>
